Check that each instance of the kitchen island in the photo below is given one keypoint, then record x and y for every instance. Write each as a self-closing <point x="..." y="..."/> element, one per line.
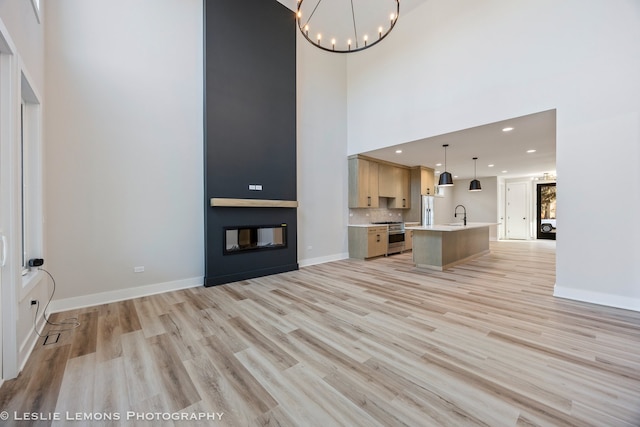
<point x="440" y="247"/>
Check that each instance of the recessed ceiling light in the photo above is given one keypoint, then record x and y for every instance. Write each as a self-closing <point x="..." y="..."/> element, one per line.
<point x="490" y="166"/>
<point x="505" y="171"/>
<point x="438" y="164"/>
<point x="398" y="151"/>
<point x="437" y="172"/>
<point x="507" y="129"/>
<point x="455" y="176"/>
<point x="531" y="151"/>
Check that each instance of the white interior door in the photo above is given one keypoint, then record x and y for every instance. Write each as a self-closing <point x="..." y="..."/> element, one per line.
<point x="517" y="211"/>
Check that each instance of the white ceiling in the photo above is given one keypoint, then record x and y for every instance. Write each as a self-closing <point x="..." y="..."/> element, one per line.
<point x="507" y="151"/>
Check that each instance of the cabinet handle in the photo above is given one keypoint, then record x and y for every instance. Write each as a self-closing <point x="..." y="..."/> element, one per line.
<point x="368" y="200"/>
<point x="378" y="236"/>
<point x="404" y="203"/>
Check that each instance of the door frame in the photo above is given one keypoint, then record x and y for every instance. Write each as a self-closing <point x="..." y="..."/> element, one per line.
<point x="9" y="219"/>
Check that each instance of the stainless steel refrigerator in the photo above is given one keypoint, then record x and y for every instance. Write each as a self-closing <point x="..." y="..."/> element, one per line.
<point x="429" y="206"/>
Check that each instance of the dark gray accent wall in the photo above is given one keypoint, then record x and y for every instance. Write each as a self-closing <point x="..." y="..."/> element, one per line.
<point x="250" y="129"/>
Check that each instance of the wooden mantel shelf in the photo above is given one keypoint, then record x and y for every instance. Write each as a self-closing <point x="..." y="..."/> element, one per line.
<point x="253" y="203"/>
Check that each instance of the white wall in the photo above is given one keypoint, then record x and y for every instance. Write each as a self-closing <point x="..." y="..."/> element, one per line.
<point x="322" y="155"/>
<point x="124" y="162"/>
<point x="482" y="206"/>
<point x="455" y="64"/>
<point x="27" y="34"/>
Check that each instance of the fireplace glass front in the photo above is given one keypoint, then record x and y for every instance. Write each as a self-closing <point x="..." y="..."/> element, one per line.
<point x="251" y="238"/>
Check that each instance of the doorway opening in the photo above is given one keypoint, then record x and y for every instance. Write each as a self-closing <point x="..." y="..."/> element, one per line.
<point x="546" y="212"/>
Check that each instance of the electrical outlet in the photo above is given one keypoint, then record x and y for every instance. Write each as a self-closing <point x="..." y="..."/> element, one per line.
<point x="34" y="301"/>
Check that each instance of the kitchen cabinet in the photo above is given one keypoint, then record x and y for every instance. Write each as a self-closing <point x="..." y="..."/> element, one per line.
<point x="427" y="182"/>
<point x="402" y="199"/>
<point x="368" y="241"/>
<point x="395" y="183"/>
<point x="422" y="183"/>
<point x="408" y="240"/>
<point x="363" y="183"/>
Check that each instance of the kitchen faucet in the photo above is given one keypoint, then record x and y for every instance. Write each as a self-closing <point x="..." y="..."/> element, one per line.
<point x="455" y="213"/>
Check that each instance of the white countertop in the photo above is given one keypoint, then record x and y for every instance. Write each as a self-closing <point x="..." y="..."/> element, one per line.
<point x="452" y="227"/>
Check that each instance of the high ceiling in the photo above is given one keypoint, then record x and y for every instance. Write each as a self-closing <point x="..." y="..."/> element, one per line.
<point x="507" y="151"/>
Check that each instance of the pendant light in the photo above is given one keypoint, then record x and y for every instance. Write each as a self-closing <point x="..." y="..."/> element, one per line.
<point x="445" y="177"/>
<point x="475" y="184"/>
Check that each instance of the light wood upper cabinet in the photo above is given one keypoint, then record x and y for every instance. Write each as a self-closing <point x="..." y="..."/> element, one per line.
<point x="427" y="182"/>
<point x="402" y="199"/>
<point x="395" y="183"/>
<point x="363" y="183"/>
<point x="369" y="180"/>
<point x="388" y="177"/>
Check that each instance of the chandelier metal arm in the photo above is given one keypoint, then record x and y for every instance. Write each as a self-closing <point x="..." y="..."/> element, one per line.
<point x="314" y="11"/>
<point x="353" y="17"/>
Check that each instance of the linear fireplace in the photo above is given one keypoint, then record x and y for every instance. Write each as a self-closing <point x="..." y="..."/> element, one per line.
<point x="254" y="238"/>
<point x="250" y="194"/>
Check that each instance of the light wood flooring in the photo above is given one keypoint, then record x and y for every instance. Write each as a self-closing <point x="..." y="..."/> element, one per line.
<point x="349" y="343"/>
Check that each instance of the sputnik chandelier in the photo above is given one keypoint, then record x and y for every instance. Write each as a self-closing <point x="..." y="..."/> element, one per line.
<point x="346" y="26"/>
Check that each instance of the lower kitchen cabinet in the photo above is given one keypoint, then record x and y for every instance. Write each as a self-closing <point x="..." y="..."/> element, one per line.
<point x="408" y="240"/>
<point x="368" y="241"/>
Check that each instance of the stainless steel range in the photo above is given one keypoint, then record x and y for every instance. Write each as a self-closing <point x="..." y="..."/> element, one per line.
<point x="396" y="236"/>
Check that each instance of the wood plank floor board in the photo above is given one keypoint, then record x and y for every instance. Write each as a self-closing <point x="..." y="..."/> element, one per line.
<point x="173" y="376"/>
<point x="338" y="411"/>
<point x="85" y="336"/>
<point x="218" y="396"/>
<point x="79" y="376"/>
<point x="111" y="395"/>
<point x="149" y="317"/>
<point x="141" y="373"/>
<point x="351" y="343"/>
<point x="108" y="345"/>
<point x="129" y="321"/>
<point x="240" y="379"/>
<point x="44" y="381"/>
<point x="269" y="348"/>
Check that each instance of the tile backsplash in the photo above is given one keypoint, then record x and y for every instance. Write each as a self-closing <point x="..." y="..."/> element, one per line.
<point x="369" y="215"/>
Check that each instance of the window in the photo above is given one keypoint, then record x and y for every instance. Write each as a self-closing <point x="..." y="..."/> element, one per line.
<point x="30" y="175"/>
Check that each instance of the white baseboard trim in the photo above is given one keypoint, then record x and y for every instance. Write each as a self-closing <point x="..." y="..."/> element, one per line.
<point x="122" y="294"/>
<point x="321" y="260"/>
<point x="599" y="298"/>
